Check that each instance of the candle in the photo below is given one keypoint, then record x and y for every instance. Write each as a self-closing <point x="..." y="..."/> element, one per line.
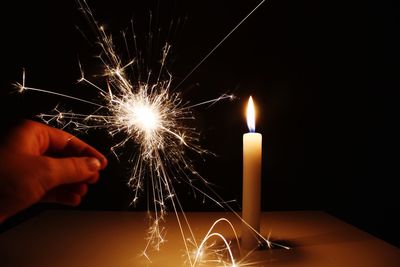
<point x="251" y="198"/>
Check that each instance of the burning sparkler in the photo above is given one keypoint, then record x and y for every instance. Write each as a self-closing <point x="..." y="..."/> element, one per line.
<point x="153" y="116"/>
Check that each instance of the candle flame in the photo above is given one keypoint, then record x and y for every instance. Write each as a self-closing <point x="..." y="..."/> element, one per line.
<point x="251" y="116"/>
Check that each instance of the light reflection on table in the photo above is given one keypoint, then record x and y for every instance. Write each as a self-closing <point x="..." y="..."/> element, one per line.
<point x="87" y="238"/>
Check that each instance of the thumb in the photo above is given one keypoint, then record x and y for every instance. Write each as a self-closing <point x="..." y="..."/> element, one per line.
<point x="74" y="169"/>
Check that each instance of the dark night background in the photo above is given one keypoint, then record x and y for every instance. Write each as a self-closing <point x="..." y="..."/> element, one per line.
<point x="325" y="78"/>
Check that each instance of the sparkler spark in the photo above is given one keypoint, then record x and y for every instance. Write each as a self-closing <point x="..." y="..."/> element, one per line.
<point x="209" y="251"/>
<point x="219" y="253"/>
<point x="153" y="117"/>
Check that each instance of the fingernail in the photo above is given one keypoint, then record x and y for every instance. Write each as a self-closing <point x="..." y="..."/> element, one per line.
<point x="93" y="164"/>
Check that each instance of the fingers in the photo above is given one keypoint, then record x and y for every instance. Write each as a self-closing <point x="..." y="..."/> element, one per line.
<point x="71" y="170"/>
<point x="36" y="138"/>
<point x="77" y="188"/>
<point x="68" y="145"/>
<point x="64" y="198"/>
<point x="67" y="194"/>
<point x="93" y="179"/>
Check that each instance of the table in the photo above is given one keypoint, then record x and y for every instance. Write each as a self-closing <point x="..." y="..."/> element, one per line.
<point x="65" y="238"/>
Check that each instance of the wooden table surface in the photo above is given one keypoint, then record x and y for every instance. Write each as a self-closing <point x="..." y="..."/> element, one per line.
<point x="116" y="239"/>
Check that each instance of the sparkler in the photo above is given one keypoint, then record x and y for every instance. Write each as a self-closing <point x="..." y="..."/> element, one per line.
<point x="153" y="116"/>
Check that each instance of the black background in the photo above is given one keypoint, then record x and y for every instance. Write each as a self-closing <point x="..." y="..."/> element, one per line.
<point x="325" y="78"/>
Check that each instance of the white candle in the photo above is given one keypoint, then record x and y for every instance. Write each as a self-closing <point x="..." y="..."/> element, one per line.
<point x="251" y="198"/>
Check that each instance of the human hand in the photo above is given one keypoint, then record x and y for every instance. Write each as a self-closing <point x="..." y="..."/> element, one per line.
<point x="41" y="163"/>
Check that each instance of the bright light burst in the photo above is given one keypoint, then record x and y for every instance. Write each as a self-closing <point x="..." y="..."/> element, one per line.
<point x="153" y="116"/>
